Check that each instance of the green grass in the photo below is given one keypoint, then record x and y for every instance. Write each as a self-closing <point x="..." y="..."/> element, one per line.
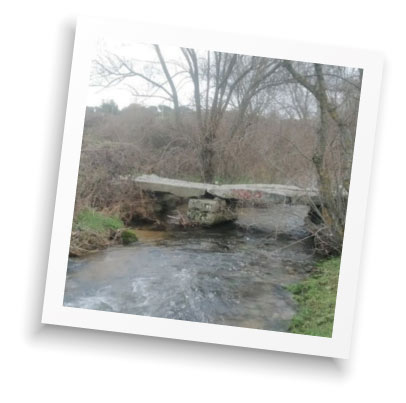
<point x="91" y="220"/>
<point x="316" y="297"/>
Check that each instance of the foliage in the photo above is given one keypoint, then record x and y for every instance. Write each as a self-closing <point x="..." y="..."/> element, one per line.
<point x="316" y="297"/>
<point x="109" y="107"/>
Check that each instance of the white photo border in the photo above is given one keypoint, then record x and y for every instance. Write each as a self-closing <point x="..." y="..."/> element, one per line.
<point x="87" y="31"/>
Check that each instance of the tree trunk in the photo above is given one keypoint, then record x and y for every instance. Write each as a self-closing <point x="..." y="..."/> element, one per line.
<point x="331" y="209"/>
<point x="207" y="158"/>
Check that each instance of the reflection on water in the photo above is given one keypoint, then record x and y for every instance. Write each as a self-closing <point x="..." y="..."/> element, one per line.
<point x="231" y="275"/>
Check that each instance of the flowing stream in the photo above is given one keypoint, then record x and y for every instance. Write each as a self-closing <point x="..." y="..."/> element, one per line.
<point x="232" y="274"/>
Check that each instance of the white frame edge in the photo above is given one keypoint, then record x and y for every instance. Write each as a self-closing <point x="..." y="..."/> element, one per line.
<point x="88" y="29"/>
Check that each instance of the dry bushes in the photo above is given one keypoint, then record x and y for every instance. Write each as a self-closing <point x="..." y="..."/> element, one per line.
<point x="144" y="140"/>
<point x="84" y="242"/>
<point x="270" y="149"/>
<point x="111" y="150"/>
<point x="141" y="140"/>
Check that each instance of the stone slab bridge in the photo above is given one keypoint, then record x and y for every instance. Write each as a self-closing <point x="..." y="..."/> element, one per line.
<point x="210" y="204"/>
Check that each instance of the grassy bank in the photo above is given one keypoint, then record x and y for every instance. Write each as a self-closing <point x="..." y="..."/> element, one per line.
<point x="91" y="220"/>
<point x="316" y="297"/>
<point x="93" y="230"/>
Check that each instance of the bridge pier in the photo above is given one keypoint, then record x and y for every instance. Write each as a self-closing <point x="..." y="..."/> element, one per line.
<point x="209" y="212"/>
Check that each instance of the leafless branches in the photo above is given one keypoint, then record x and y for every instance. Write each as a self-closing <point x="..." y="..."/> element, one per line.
<point x="226" y="78"/>
<point x="227" y="111"/>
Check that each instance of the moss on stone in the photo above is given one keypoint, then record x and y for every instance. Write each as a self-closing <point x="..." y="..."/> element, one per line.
<point x="128" y="236"/>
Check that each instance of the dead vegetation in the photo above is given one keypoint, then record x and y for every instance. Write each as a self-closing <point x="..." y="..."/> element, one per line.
<point x="84" y="242"/>
<point x="246" y="120"/>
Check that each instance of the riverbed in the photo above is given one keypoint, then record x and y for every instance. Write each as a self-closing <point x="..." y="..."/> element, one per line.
<point x="234" y="274"/>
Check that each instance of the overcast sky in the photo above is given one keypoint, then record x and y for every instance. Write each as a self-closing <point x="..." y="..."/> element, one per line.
<point x="145" y="59"/>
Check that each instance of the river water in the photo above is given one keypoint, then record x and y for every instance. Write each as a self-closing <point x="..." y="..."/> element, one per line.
<point x="231" y="274"/>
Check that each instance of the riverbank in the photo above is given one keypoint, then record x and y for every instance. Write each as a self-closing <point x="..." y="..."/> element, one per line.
<point x="316" y="297"/>
<point x="93" y="231"/>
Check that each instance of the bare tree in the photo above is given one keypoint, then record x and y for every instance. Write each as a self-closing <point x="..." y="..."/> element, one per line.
<point x="333" y="183"/>
<point x="219" y="80"/>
